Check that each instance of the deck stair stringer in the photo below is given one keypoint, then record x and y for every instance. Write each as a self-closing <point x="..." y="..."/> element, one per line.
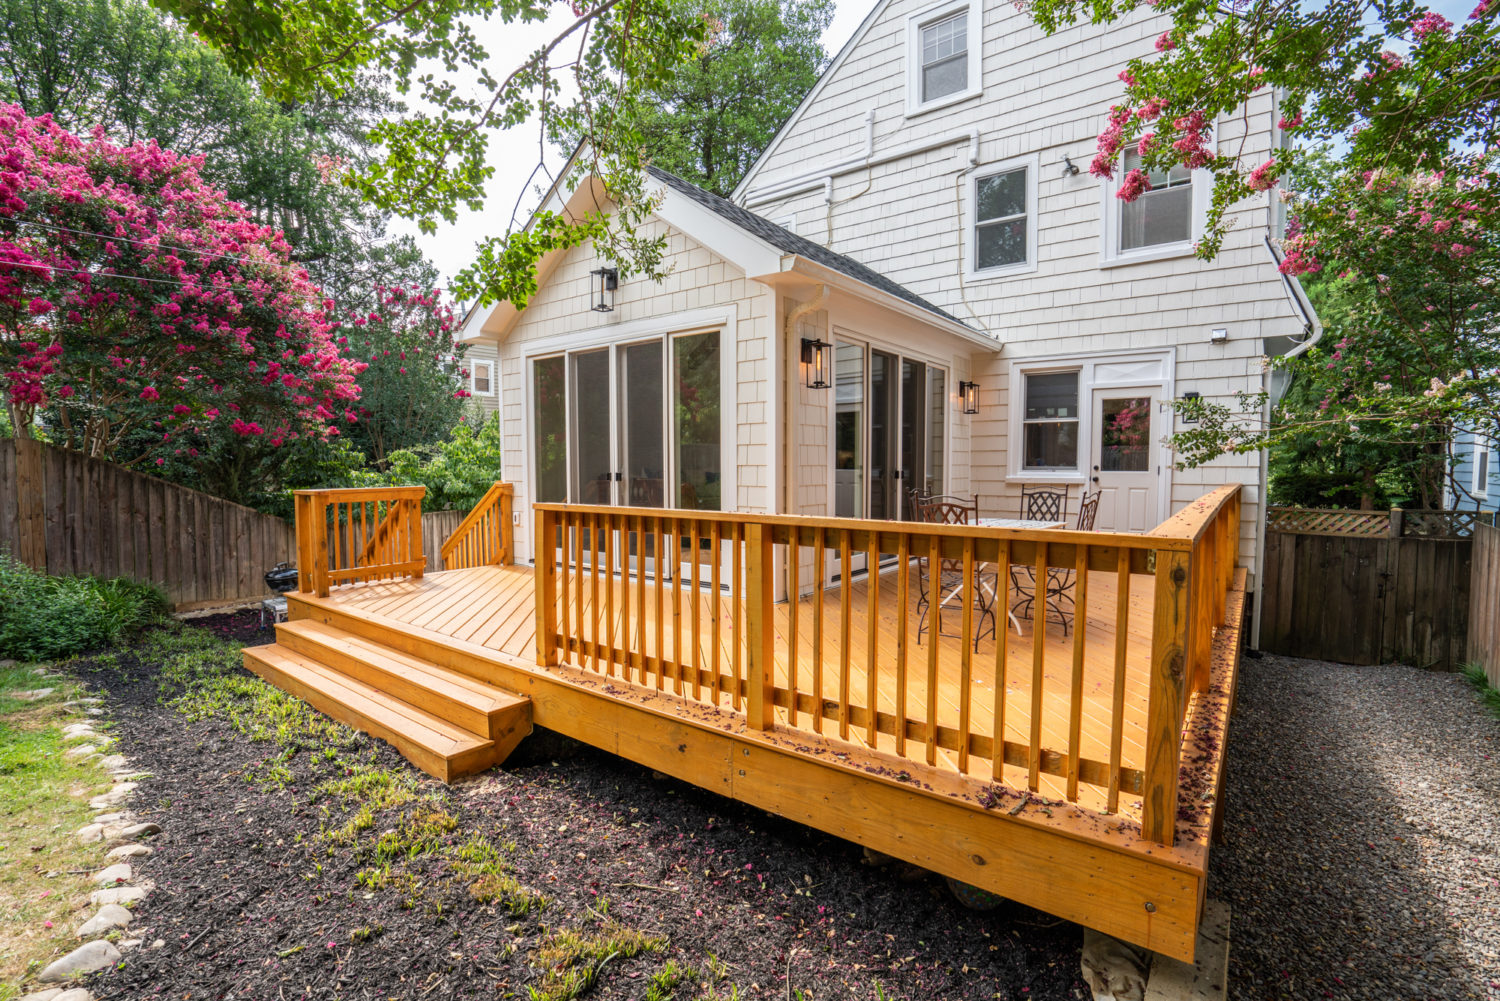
<point x="446" y="723"/>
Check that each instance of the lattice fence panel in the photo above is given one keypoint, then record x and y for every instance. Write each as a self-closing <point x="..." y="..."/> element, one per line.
<point x="1310" y="521"/>
<point x="1443" y="524"/>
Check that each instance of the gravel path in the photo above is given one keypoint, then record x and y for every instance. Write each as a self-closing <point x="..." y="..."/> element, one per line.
<point x="1363" y="835"/>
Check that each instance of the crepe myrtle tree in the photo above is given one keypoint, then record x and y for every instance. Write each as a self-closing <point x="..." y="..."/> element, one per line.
<point x="1398" y="86"/>
<point x="1406" y="269"/>
<point x="414" y="389"/>
<point x="146" y="318"/>
<point x="586" y="81"/>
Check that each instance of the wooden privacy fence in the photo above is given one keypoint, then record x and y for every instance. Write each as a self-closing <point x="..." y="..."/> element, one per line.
<point x="1484" y="603"/>
<point x="1369" y="587"/>
<point x="66" y="513"/>
<point x="699" y="616"/>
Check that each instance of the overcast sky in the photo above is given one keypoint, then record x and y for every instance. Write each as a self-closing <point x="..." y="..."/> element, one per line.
<point x="451" y="248"/>
<point x="514" y="156"/>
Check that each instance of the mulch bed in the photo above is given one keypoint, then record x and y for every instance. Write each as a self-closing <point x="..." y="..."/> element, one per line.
<point x="246" y="912"/>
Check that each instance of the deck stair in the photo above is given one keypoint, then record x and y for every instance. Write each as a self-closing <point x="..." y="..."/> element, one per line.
<point x="446" y="723"/>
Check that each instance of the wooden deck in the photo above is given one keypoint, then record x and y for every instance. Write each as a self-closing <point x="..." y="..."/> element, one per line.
<point x="1096" y="804"/>
<point x="494" y="607"/>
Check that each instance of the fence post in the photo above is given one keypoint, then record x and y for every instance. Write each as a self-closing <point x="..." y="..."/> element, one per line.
<point x="1167" y="697"/>
<point x="31" y="503"/>
<point x="760" y="668"/>
<point x="1396" y="522"/>
<point x="545" y="545"/>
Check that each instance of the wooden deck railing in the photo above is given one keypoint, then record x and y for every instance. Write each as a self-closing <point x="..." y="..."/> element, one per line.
<point x="710" y="630"/>
<point x="485" y="537"/>
<point x="361" y="534"/>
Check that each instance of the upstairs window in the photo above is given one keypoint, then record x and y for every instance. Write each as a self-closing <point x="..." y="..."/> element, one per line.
<point x="482" y="378"/>
<point x="1162" y="215"/>
<point x="1002" y="229"/>
<point x="943" y="56"/>
<point x="1480" y="485"/>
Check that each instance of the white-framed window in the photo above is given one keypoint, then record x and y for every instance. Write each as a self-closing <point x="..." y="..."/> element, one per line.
<point x="1166" y="221"/>
<point x="1050" y="421"/>
<point x="1479" y="469"/>
<point x="1002" y="219"/>
<point x="942" y="55"/>
<point x="481" y="377"/>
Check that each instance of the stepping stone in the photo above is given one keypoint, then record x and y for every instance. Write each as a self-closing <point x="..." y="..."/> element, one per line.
<point x="119" y="895"/>
<point x="114" y="797"/>
<point x="94" y="712"/>
<point x="111" y="818"/>
<point x="110" y="875"/>
<point x="76" y="994"/>
<point x="90" y="833"/>
<point x="110" y="917"/>
<point x="113" y="761"/>
<point x="129" y="851"/>
<point x="141" y="830"/>
<point x="130" y="943"/>
<point x="84" y="702"/>
<point x="81" y="751"/>
<point x="78" y="729"/>
<point x="35" y="694"/>
<point x="87" y="958"/>
<point x="50" y="994"/>
<point x="7" y="663"/>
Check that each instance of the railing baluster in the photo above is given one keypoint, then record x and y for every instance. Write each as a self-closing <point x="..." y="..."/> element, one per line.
<point x="934" y="639"/>
<point x="579" y="572"/>
<point x="1080" y="640"/>
<point x="716" y="544"/>
<point x="697" y="613"/>
<point x="903" y="599"/>
<point x="1038" y="665"/>
<point x="737" y="591"/>
<point x="609" y="593"/>
<point x="965" y="661"/>
<point x="640" y="597"/>
<point x="1117" y="706"/>
<point x="794" y="606"/>
<point x="659" y="613"/>
<point x="677" y="659"/>
<point x="819" y="575"/>
<point x="760" y="708"/>
<point x="1002" y="636"/>
<point x="846" y="596"/>
<point x="872" y="635"/>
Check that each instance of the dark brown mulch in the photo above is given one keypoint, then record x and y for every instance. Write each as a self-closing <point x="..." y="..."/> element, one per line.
<point x="249" y="905"/>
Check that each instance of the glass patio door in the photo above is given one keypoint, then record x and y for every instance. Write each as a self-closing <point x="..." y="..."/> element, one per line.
<point x="643" y="453"/>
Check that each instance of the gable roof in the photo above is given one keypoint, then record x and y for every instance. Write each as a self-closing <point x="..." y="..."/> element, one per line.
<point x="790" y="243"/>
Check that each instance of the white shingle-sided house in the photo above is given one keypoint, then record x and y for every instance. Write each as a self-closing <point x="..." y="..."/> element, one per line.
<point x="989" y="315"/>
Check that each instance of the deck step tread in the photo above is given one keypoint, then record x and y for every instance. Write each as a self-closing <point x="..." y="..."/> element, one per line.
<point x="425" y="674"/>
<point x="388" y="716"/>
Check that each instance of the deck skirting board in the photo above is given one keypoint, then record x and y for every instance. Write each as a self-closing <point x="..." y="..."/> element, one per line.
<point x="1076" y="864"/>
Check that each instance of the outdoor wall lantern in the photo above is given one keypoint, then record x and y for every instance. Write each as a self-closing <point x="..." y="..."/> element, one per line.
<point x="606" y="281"/>
<point x="968" y="395"/>
<point x="815" y="356"/>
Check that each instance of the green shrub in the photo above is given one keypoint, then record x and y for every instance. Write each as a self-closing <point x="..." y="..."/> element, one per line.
<point x="47" y="618"/>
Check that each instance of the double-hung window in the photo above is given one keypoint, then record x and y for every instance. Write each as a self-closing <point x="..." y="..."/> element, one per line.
<point x="1004" y="221"/>
<point x="1161" y="216"/>
<point x="1050" y="421"/>
<point x="482" y="378"/>
<point x="943" y="55"/>
<point x="1480" y="485"/>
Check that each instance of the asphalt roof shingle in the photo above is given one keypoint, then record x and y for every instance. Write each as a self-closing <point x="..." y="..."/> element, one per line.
<point x="789" y="242"/>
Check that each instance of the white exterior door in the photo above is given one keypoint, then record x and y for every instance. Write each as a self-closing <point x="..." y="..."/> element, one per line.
<point x="1126" y="458"/>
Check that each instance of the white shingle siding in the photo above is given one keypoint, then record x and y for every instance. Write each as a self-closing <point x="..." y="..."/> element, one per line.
<point x="1046" y="97"/>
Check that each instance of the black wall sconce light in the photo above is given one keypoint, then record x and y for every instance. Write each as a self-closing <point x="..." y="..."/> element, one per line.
<point x="968" y="396"/>
<point x="1070" y="169"/>
<point x="606" y="280"/>
<point x="815" y="355"/>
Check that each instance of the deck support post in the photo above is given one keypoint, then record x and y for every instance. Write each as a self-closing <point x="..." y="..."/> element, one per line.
<point x="545" y="546"/>
<point x="760" y="673"/>
<point x="1168" y="696"/>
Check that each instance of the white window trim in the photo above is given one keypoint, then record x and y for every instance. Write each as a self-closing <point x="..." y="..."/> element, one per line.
<point x="972" y="271"/>
<point x="973" y="40"/>
<point x="1109" y="254"/>
<point x="474" y="364"/>
<point x="1086" y="365"/>
<point x="1479" y="486"/>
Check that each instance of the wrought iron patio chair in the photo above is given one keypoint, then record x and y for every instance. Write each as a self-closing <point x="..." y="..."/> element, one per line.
<point x="945" y="587"/>
<point x="1058" y="593"/>
<point x="1044" y="503"/>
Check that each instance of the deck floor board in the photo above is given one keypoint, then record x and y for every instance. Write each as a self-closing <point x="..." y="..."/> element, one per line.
<point x="494" y="607"/>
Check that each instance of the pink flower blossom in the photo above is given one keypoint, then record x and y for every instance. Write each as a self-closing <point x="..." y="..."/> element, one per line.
<point x="1430" y="23"/>
<point x="1165" y="43"/>
<point x="1264" y="177"/>
<point x="1290" y="123"/>
<point x="1133" y="185"/>
<point x="150" y="393"/>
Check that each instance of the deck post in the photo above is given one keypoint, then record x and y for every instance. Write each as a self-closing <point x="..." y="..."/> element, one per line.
<point x="546" y="589"/>
<point x="760" y="669"/>
<point x="507" y="553"/>
<point x="1168" y="694"/>
<point x="319" y="526"/>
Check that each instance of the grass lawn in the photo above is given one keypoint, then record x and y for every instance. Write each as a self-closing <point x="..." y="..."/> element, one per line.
<point x="43" y="800"/>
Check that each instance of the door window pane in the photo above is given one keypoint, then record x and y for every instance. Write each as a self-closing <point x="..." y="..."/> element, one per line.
<point x="883" y="482"/>
<point x="913" y="432"/>
<point x="592" y="465"/>
<point x="696" y="422"/>
<point x="849" y="431"/>
<point x="945" y="57"/>
<point x="550" y="429"/>
<point x="1162" y="215"/>
<point x="937" y="409"/>
<point x="643" y="452"/>
<point x="1050" y="434"/>
<point x="1125" y="435"/>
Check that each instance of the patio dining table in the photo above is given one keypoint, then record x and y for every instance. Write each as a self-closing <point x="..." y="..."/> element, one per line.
<point x="1014" y="523"/>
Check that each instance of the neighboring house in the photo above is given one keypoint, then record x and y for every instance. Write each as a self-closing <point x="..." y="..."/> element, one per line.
<point x="1477" y="479"/>
<point x="482" y="362"/>
<point x="992" y="316"/>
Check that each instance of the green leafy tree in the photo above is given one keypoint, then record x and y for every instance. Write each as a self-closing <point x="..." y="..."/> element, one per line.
<point x="124" y="67"/>
<point x="589" y="80"/>
<point x="721" y="110"/>
<point x="1335" y="67"/>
